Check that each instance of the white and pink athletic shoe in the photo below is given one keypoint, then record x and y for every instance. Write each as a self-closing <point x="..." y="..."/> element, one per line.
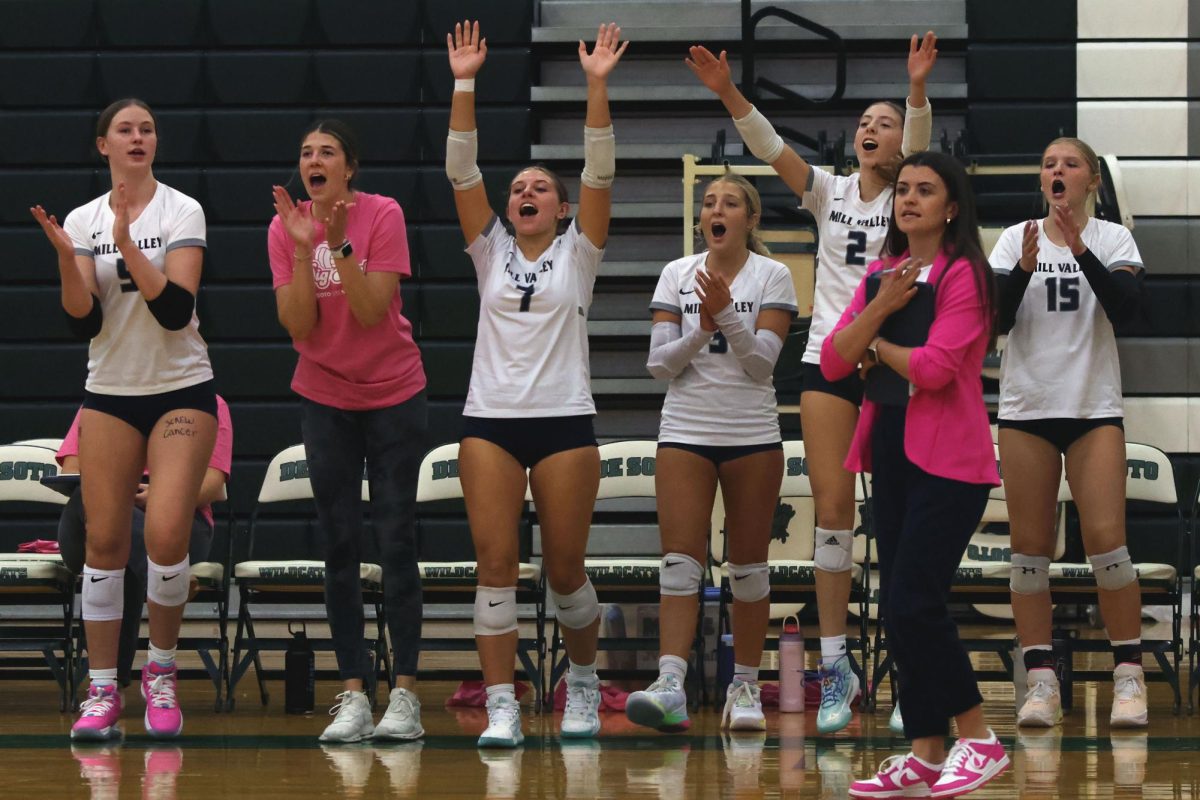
<point x="164" y="720"/>
<point x="971" y="764"/>
<point x="898" y="776"/>
<point x="98" y="715"/>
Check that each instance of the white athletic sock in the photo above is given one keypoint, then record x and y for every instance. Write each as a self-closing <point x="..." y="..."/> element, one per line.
<point x="673" y="665"/>
<point x="930" y="764"/>
<point x="103" y="677"/>
<point x="745" y="674"/>
<point x="498" y="690"/>
<point x="583" y="670"/>
<point x="832" y="648"/>
<point x="160" y="656"/>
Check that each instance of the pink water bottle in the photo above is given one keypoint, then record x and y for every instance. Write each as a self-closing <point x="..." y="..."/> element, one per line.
<point x="791" y="667"/>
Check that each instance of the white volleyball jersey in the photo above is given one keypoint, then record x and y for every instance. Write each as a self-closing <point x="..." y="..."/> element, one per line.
<point x="713" y="401"/>
<point x="850" y="234"/>
<point x="531" y="349"/>
<point x="133" y="354"/>
<point x="1060" y="360"/>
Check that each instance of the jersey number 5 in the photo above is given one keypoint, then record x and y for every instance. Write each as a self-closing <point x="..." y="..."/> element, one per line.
<point x="1062" y="294"/>
<point x="126" y="279"/>
<point x="856" y="247"/>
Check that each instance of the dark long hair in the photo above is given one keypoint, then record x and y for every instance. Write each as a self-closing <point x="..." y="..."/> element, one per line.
<point x="105" y="120"/>
<point x="345" y="137"/>
<point x="961" y="237"/>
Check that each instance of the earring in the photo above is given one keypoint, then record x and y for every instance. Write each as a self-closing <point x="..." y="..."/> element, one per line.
<point x="948" y="220"/>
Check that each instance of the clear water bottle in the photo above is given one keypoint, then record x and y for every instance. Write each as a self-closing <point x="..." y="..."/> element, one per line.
<point x="791" y="667"/>
<point x="299" y="674"/>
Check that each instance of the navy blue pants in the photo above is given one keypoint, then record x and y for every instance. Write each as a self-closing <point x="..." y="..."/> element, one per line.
<point x="922" y="526"/>
<point x="392" y="441"/>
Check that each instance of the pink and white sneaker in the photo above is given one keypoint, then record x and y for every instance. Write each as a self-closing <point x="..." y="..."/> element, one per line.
<point x="898" y="776"/>
<point x="98" y="715"/>
<point x="971" y="764"/>
<point x="163" y="720"/>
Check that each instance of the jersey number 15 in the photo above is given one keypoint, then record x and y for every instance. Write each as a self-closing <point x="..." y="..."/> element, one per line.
<point x="1062" y="294"/>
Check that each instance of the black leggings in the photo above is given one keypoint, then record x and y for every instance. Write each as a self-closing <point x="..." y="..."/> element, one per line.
<point x="392" y="441"/>
<point x="923" y="524"/>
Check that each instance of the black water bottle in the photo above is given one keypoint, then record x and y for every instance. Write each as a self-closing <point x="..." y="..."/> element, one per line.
<point x="299" y="674"/>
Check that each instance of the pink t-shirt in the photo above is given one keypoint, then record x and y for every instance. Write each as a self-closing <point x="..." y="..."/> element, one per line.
<point x="342" y="364"/>
<point x="222" y="456"/>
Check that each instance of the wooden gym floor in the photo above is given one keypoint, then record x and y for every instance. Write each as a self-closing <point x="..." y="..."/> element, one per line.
<point x="257" y="752"/>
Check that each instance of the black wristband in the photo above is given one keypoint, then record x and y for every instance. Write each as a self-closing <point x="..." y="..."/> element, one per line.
<point x="1012" y="289"/>
<point x="173" y="307"/>
<point x="88" y="326"/>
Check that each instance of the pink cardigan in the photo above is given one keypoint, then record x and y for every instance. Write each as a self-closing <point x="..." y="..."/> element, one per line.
<point x="946" y="431"/>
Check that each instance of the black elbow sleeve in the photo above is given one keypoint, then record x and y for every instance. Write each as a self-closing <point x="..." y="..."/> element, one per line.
<point x="173" y="307"/>
<point x="87" y="327"/>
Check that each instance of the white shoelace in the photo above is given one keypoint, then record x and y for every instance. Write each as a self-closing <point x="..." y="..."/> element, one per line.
<point x="579" y="701"/>
<point x="664" y="683"/>
<point x="743" y="696"/>
<point x="1127" y="687"/>
<point x="504" y="714"/>
<point x="1042" y="691"/>
<point x="343" y="705"/>
<point x="162" y="691"/>
<point x="891" y="764"/>
<point x="402" y="706"/>
<point x="97" y="705"/>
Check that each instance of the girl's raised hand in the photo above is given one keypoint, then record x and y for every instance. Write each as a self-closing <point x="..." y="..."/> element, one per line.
<point x="922" y="54"/>
<point x="605" y="54"/>
<point x="296" y="220"/>
<point x="58" y="237"/>
<point x="467" y="50"/>
<point x="712" y="71"/>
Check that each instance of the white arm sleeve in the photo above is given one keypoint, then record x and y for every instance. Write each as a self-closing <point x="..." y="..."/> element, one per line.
<point x="599" y="157"/>
<point x="918" y="128"/>
<point x="755" y="352"/>
<point x="671" y="351"/>
<point x="760" y="136"/>
<point x="462" y="151"/>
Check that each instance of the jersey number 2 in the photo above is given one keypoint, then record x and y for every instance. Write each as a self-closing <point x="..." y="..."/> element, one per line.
<point x="856" y="247"/>
<point x="1062" y="294"/>
<point x="126" y="279"/>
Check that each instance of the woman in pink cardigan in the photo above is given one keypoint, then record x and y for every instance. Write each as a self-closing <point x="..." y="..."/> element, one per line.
<point x="923" y="435"/>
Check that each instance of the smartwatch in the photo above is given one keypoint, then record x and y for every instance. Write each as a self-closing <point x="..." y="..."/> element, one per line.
<point x="343" y="250"/>
<point x="873" y="349"/>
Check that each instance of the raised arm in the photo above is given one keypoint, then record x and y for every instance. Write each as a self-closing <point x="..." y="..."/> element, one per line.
<point x="918" y="116"/>
<point x="756" y="131"/>
<point x="599" y="145"/>
<point x="467" y="53"/>
<point x="296" y="300"/>
<point x="77" y="276"/>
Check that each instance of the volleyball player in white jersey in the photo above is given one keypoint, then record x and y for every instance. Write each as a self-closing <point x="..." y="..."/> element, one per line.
<point x="529" y="406"/>
<point x="720" y="320"/>
<point x="852" y="217"/>
<point x="129" y="263"/>
<point x="1065" y="281"/>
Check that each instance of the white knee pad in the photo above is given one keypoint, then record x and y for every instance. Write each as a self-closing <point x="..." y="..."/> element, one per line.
<point x="168" y="586"/>
<point x="577" y="609"/>
<point x="1029" y="574"/>
<point x="679" y="575"/>
<point x="749" y="582"/>
<point x="835" y="550"/>
<point x="495" y="610"/>
<point x="103" y="594"/>
<point x="1113" y="570"/>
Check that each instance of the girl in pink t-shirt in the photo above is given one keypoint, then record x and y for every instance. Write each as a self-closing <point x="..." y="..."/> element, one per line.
<point x="337" y="261"/>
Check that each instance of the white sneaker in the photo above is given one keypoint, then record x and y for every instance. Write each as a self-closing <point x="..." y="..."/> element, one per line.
<point x="402" y="720"/>
<point x="581" y="717"/>
<point x="661" y="705"/>
<point x="743" y="707"/>
<point x="504" y="723"/>
<point x="1129" y="697"/>
<point x="1043" y="701"/>
<point x="351" y="719"/>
